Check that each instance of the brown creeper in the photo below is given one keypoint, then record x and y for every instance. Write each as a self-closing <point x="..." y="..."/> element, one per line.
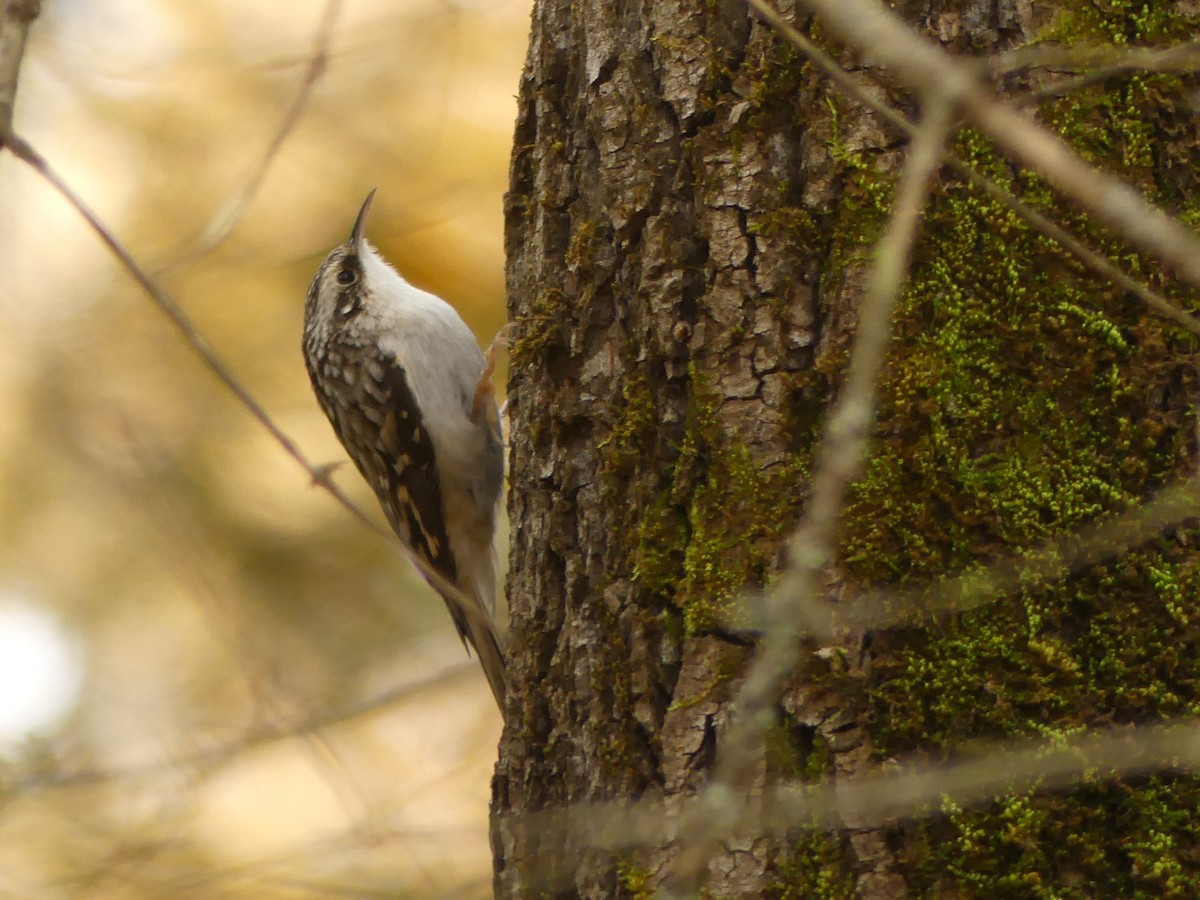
<point x="403" y="382"/>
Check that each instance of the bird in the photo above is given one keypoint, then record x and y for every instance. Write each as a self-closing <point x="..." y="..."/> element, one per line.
<point x="403" y="382"/>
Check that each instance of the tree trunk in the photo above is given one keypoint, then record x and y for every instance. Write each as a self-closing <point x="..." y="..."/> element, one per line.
<point x="691" y="212"/>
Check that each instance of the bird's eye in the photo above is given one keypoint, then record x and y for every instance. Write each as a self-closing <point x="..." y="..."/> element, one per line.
<point x="347" y="277"/>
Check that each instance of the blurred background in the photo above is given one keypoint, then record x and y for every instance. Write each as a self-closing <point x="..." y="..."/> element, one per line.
<point x="214" y="681"/>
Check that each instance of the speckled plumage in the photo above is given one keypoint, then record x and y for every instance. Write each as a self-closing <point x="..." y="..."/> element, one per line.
<point x="396" y="371"/>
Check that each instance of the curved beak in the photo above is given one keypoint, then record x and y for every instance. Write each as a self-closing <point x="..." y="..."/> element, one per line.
<point x="360" y="224"/>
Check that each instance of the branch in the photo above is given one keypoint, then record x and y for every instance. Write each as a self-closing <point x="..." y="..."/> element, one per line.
<point x="1168" y="508"/>
<point x="1098" y="64"/>
<point x="16" y="17"/>
<point x="178" y="318"/>
<point x="1051" y="562"/>
<point x="882" y="36"/>
<point x="913" y="790"/>
<point x="215" y="758"/>
<point x="1099" y="61"/>
<point x="1098" y="263"/>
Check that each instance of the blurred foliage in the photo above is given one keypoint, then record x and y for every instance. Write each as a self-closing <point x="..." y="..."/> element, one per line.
<point x="221" y="603"/>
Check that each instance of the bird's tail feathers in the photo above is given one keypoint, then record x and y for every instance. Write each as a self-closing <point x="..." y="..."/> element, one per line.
<point x="486" y="642"/>
<point x="472" y="607"/>
<point x="477" y="627"/>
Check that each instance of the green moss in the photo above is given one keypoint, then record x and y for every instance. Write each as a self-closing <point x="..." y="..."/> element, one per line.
<point x="712" y="528"/>
<point x="785" y="220"/>
<point x="633" y="433"/>
<point x="661" y="544"/>
<point x="768" y="78"/>
<point x="1062" y="846"/>
<point x="586" y="237"/>
<point x="1016" y="408"/>
<point x="818" y="867"/>
<point x="1054" y="658"/>
<point x="1028" y="381"/>
<point x="728" y="665"/>
<point x="1121" y="23"/>
<point x="718" y="522"/>
<point x="818" y="863"/>
<point x="762" y="80"/>
<point x="636" y="882"/>
<point x="1024" y="398"/>
<point x="797" y="752"/>
<point x="540" y="332"/>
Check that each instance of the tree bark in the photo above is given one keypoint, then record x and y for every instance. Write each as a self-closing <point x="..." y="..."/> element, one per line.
<point x="688" y="227"/>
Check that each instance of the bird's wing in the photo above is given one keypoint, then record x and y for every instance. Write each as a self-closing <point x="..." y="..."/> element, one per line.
<point x="409" y="489"/>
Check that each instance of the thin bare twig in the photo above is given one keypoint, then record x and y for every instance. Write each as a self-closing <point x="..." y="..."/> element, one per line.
<point x="16" y="18"/>
<point x="319" y="474"/>
<point x="837" y="459"/>
<point x="1055" y="560"/>
<point x="215" y="758"/>
<point x="881" y="35"/>
<point x="1100" y="63"/>
<point x="1098" y="263"/>
<point x="874" y="610"/>
<point x="922" y="604"/>
<point x="925" y="788"/>
<point x="1099" y="59"/>
<point x="181" y="540"/>
<point x="904" y="790"/>
<point x="234" y="209"/>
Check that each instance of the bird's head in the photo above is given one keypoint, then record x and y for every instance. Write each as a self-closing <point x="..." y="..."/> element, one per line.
<point x="342" y="287"/>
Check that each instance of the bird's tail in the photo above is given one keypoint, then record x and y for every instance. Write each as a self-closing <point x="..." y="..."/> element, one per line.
<point x="482" y="635"/>
<point x="478" y="583"/>
<point x="472" y="604"/>
<point x="472" y="614"/>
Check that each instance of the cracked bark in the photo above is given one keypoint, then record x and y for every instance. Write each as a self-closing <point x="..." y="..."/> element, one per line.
<point x="656" y="145"/>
